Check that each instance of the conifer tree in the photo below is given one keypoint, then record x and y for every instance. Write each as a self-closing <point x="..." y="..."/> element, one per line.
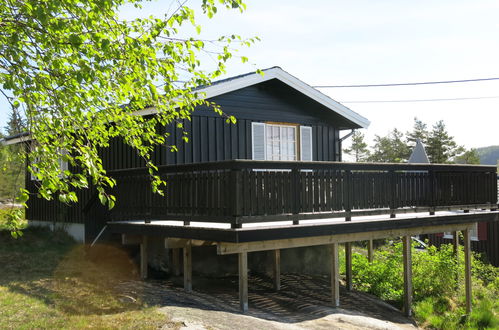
<point x="358" y="149"/>
<point x="419" y="131"/>
<point x="441" y="147"/>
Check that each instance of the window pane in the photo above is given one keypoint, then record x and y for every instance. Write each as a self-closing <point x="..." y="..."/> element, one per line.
<point x="280" y="142"/>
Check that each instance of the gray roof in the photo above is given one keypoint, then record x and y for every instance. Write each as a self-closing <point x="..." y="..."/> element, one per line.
<point x="419" y="154"/>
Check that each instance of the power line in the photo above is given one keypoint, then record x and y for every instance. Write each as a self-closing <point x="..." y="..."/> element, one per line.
<point x="408" y="83"/>
<point x="425" y="100"/>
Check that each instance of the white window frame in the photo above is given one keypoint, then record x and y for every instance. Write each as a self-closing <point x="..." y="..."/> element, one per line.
<point x="281" y="140"/>
<point x="298" y="130"/>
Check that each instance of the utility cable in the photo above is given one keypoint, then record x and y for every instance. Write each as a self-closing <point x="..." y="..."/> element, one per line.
<point x="408" y="83"/>
<point x="425" y="100"/>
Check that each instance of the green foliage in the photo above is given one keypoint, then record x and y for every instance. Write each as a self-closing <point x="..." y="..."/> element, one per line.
<point x="468" y="157"/>
<point x="390" y="148"/>
<point x="80" y="75"/>
<point x="358" y="149"/>
<point x="441" y="147"/>
<point x="419" y="132"/>
<point x="438" y="285"/>
<point x="12" y="171"/>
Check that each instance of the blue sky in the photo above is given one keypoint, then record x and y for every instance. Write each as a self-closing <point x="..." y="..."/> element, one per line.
<point x="360" y="42"/>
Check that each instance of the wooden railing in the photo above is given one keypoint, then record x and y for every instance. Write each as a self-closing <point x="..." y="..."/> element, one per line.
<point x="241" y="191"/>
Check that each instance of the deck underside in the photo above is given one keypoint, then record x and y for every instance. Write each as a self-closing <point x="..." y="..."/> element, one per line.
<point x="360" y="228"/>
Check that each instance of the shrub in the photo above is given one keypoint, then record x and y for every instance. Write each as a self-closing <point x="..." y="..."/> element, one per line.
<point x="438" y="285"/>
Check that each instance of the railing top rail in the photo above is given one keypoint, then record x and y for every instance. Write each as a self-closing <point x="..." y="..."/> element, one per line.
<point x="239" y="164"/>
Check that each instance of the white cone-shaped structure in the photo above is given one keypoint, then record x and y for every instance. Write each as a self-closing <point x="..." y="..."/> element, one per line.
<point x="419" y="154"/>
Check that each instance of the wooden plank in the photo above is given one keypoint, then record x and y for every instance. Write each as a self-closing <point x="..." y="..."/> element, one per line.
<point x="231" y="248"/>
<point x="467" y="269"/>
<point x="348" y="265"/>
<point x="407" y="274"/>
<point x="370" y="250"/>
<point x="188" y="267"/>
<point x="335" y="275"/>
<point x="277" y="269"/>
<point x="143" y="258"/>
<point x="243" y="281"/>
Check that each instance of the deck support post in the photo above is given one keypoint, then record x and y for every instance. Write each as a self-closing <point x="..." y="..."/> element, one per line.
<point x="277" y="269"/>
<point x="370" y="250"/>
<point x="467" y="269"/>
<point x="348" y="265"/>
<point x="188" y="266"/>
<point x="455" y="243"/>
<point x="335" y="275"/>
<point x="143" y="258"/>
<point x="243" y="281"/>
<point x="407" y="275"/>
<point x="176" y="261"/>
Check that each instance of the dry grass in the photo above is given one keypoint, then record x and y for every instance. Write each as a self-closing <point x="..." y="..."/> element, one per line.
<point x="48" y="281"/>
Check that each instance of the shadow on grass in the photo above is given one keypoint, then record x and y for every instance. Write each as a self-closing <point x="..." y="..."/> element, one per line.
<point x="71" y="277"/>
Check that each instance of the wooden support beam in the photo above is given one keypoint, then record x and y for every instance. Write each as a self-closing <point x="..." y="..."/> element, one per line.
<point x="467" y="269"/>
<point x="455" y="243"/>
<point x="143" y="258"/>
<point x="231" y="248"/>
<point x="277" y="269"/>
<point x="335" y="275"/>
<point x="176" y="243"/>
<point x="243" y="281"/>
<point x="176" y="261"/>
<point x="370" y="250"/>
<point x="188" y="267"/>
<point x="348" y="265"/>
<point x="407" y="256"/>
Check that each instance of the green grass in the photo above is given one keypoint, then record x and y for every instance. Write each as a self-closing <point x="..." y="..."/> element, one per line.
<point x="49" y="281"/>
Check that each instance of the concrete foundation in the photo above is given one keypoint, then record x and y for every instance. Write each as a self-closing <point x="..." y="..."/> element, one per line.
<point x="75" y="230"/>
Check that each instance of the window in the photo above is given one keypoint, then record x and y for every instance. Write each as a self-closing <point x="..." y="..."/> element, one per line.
<point x="473" y="233"/>
<point x="63" y="166"/>
<point x="280" y="142"/>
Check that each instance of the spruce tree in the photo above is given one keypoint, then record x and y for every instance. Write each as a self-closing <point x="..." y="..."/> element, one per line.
<point x="16" y="123"/>
<point x="358" y="149"/>
<point x="419" y="131"/>
<point x="441" y="147"/>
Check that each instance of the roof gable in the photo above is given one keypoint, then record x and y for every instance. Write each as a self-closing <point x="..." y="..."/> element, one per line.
<point x="234" y="83"/>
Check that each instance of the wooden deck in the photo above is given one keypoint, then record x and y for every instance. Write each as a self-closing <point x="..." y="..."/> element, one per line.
<point x="326" y="232"/>
<point x="243" y="191"/>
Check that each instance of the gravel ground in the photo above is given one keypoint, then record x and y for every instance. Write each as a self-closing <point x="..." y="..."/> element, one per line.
<point x="302" y="303"/>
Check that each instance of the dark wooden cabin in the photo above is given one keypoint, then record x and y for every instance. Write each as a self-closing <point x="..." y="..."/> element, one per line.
<point x="281" y="163"/>
<point x="303" y="123"/>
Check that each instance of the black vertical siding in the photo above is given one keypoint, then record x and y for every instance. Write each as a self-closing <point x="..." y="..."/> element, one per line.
<point x="211" y="138"/>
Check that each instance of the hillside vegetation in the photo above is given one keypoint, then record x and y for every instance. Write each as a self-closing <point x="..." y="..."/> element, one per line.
<point x="488" y="155"/>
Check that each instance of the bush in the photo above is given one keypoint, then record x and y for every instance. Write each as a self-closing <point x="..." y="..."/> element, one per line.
<point x="438" y="285"/>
